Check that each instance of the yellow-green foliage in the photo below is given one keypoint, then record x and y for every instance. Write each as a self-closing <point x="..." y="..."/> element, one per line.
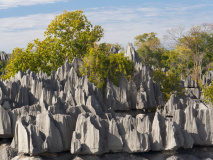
<point x="169" y="83"/>
<point x="208" y="94"/>
<point x="69" y="35"/>
<point x="19" y="60"/>
<point x="2" y="66"/>
<point x="99" y="65"/>
<point x="149" y="48"/>
<point x="74" y="32"/>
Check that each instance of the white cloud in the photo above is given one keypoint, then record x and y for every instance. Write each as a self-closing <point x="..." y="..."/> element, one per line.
<point x="18" y="31"/>
<point x="4" y="4"/>
<point x="120" y="24"/>
<point x="37" y="21"/>
<point x="123" y="24"/>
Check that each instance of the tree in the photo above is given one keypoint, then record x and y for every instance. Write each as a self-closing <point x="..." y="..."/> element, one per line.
<point x="2" y="66"/>
<point x="197" y="41"/>
<point x="208" y="94"/>
<point x="100" y="65"/>
<point x="74" y="33"/>
<point x="169" y="83"/>
<point x="69" y="35"/>
<point x="19" y="60"/>
<point x="149" y="48"/>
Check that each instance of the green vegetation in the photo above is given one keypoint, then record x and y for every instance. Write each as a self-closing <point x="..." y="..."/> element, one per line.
<point x="2" y="66"/>
<point x="100" y="64"/>
<point x="208" y="94"/>
<point x="192" y="53"/>
<point x="169" y="83"/>
<point x="149" y="49"/>
<point x="69" y="35"/>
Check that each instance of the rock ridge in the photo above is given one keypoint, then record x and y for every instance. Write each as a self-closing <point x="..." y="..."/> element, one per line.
<point x="65" y="112"/>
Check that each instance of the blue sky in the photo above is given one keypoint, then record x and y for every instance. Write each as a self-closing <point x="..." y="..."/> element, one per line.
<point x="21" y="21"/>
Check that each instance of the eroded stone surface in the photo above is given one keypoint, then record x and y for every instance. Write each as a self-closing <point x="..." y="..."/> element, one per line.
<point x="65" y="112"/>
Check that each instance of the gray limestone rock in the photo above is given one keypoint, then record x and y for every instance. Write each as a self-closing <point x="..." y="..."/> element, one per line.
<point x="174" y="103"/>
<point x="117" y="97"/>
<point x="133" y="55"/>
<point x="189" y="83"/>
<point x="141" y="100"/>
<point x="76" y="64"/>
<point x="114" y="50"/>
<point x="143" y="124"/>
<point x="28" y="139"/>
<point x="191" y="125"/>
<point x="15" y="114"/>
<point x="166" y="135"/>
<point x="6" y="153"/>
<point x="133" y="140"/>
<point x="86" y="138"/>
<point x="64" y="112"/>
<point x="43" y="133"/>
<point x="5" y="124"/>
<point x="115" y="143"/>
<point x="66" y="126"/>
<point x="6" y="105"/>
<point x="80" y="96"/>
<point x="205" y="127"/>
<point x="194" y="91"/>
<point x="94" y="106"/>
<point x="3" y="56"/>
<point x="207" y="79"/>
<point x="156" y="137"/>
<point x="46" y="125"/>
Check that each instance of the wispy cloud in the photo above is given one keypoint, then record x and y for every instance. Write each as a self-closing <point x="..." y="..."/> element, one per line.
<point x="120" y="24"/>
<point x="15" y="24"/>
<point x="4" y="4"/>
<point x="123" y="24"/>
<point x="19" y="31"/>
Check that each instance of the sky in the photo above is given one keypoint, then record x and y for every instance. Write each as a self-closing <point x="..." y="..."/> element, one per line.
<point x="22" y="21"/>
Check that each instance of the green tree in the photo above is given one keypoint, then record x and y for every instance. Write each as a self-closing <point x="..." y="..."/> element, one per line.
<point x="69" y="35"/>
<point x="198" y="41"/>
<point x="208" y="94"/>
<point x="177" y="61"/>
<point x="74" y="33"/>
<point x="2" y="66"/>
<point x="19" y="60"/>
<point x="169" y="83"/>
<point x="100" y="65"/>
<point x="149" y="48"/>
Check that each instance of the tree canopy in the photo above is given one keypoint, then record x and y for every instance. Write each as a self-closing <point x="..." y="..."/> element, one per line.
<point x="196" y="44"/>
<point x="100" y="65"/>
<point x="149" y="48"/>
<point x="69" y="35"/>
